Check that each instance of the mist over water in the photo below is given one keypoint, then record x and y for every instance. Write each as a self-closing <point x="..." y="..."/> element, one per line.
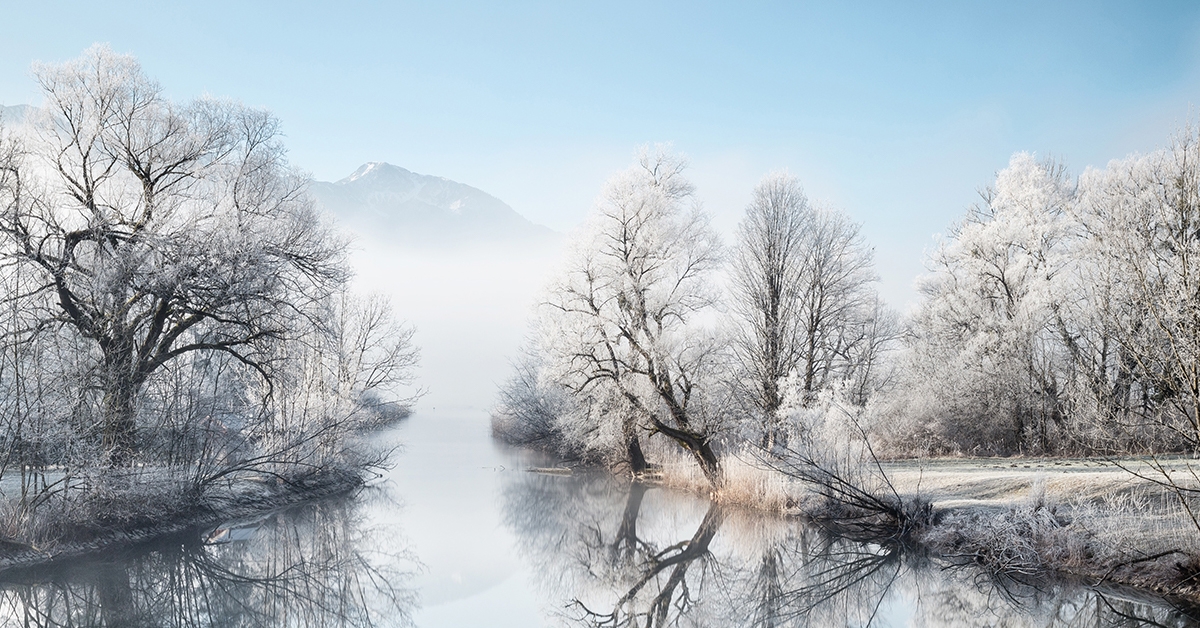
<point x="471" y="307"/>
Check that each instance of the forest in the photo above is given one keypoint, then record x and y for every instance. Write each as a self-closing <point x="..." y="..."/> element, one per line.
<point x="178" y="342"/>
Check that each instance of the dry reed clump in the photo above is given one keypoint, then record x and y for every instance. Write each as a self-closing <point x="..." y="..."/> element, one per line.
<point x="753" y="484"/>
<point x="747" y="482"/>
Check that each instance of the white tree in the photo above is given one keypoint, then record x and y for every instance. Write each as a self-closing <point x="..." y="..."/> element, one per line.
<point x="623" y="324"/>
<point x="835" y="299"/>
<point x="158" y="229"/>
<point x="985" y="346"/>
<point x="769" y="267"/>
<point x="1064" y="314"/>
<point x="169" y="296"/>
<point x="1142" y="215"/>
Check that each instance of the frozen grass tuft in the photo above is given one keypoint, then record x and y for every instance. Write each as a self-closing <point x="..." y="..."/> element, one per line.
<point x="1026" y="540"/>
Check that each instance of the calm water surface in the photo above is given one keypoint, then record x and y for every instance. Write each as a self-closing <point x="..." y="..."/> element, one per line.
<point x="458" y="534"/>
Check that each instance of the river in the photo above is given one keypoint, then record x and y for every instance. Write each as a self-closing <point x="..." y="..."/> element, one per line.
<point x="457" y="532"/>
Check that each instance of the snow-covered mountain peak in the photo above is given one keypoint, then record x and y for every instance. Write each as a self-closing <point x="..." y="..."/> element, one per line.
<point x="379" y="172"/>
<point x="362" y="171"/>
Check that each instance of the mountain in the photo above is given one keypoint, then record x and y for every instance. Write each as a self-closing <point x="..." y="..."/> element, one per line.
<point x="13" y="114"/>
<point x="421" y="211"/>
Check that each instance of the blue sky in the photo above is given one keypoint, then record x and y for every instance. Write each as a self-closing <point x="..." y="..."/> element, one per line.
<point x="895" y="112"/>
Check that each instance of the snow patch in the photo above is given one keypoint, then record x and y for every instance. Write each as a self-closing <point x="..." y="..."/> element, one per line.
<point x="362" y="171"/>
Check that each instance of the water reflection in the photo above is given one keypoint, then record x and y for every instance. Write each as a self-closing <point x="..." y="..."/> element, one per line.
<point x="601" y="552"/>
<point x="612" y="554"/>
<point x="312" y="565"/>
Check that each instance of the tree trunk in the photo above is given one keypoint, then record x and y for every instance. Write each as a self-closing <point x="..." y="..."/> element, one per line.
<point x="696" y="443"/>
<point x="637" y="459"/>
<point x="682" y="434"/>
<point x="709" y="464"/>
<point x="810" y="368"/>
<point x="120" y="426"/>
<point x="773" y="434"/>
<point x="771" y="404"/>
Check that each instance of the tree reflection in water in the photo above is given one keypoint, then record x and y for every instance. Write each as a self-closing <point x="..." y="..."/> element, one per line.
<point x="611" y="554"/>
<point x="307" y="566"/>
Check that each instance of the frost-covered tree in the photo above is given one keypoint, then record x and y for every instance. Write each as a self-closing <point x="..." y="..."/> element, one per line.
<point x="158" y="229"/>
<point x="169" y="297"/>
<point x="803" y="300"/>
<point x="837" y="301"/>
<point x="531" y="404"/>
<point x="624" y="326"/>
<point x="1061" y="315"/>
<point x="1142" y="217"/>
<point x="986" y="370"/>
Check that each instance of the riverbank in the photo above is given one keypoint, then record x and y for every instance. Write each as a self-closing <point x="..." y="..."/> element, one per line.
<point x="1090" y="521"/>
<point x="68" y="538"/>
<point x="1101" y="520"/>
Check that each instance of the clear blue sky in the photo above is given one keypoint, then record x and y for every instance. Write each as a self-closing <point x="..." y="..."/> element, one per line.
<point x="895" y="112"/>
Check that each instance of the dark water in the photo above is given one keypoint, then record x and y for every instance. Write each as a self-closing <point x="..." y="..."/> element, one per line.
<point x="460" y="535"/>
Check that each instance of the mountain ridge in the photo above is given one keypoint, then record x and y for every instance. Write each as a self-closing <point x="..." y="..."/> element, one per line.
<point x="14" y="114"/>
<point x="383" y="200"/>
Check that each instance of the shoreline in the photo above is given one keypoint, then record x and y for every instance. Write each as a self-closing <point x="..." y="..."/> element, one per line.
<point x="201" y="516"/>
<point x="1038" y="509"/>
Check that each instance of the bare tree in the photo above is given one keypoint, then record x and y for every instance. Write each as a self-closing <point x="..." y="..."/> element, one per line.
<point x="869" y="344"/>
<point x="159" y="229"/>
<point x="834" y="298"/>
<point x="802" y="294"/>
<point x="375" y="354"/>
<point x="768" y="270"/>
